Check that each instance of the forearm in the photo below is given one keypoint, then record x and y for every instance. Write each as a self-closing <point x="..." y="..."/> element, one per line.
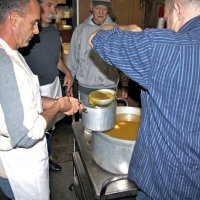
<point x="68" y="79"/>
<point x="53" y="106"/>
<point x="62" y="67"/>
<point x="47" y="102"/>
<point x="49" y="114"/>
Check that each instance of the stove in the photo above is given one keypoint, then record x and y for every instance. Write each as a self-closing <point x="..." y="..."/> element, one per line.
<point x="91" y="181"/>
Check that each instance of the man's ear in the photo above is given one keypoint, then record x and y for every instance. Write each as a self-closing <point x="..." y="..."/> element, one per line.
<point x="91" y="6"/>
<point x="14" y="18"/>
<point x="179" y="10"/>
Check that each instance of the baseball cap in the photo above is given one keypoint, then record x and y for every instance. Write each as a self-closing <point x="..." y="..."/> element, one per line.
<point x="101" y="2"/>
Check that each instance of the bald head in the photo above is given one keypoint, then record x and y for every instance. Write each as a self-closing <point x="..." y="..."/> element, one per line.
<point x="179" y="12"/>
<point x="183" y="2"/>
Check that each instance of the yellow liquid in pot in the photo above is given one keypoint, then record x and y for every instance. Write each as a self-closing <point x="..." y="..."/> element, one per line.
<point x="126" y="127"/>
<point x="96" y="96"/>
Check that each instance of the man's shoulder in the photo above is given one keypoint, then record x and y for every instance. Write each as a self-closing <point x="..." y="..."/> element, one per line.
<point x="3" y="56"/>
<point x="165" y="36"/>
<point x="50" y="32"/>
<point x="50" y="29"/>
<point x="84" y="26"/>
<point x="170" y="37"/>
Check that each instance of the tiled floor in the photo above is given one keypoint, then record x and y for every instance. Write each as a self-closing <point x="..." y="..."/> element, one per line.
<point x="62" y="146"/>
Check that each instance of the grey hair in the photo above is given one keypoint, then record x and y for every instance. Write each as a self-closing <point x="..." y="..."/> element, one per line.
<point x="7" y="6"/>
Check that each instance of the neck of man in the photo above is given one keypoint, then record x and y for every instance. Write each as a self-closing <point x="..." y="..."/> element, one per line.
<point x="44" y="25"/>
<point x="96" y="22"/>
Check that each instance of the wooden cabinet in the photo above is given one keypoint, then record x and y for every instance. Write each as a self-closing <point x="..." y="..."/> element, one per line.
<point x="61" y="1"/>
<point x="64" y="19"/>
<point x="151" y="13"/>
<point x="127" y="11"/>
<point x="66" y="35"/>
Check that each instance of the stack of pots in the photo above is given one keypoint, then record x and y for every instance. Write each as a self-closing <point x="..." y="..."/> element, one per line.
<point x="109" y="153"/>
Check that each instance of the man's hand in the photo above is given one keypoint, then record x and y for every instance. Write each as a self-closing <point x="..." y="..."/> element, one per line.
<point x="107" y="27"/>
<point x="68" y="82"/>
<point x="75" y="106"/>
<point x="124" y="93"/>
<point x="65" y="105"/>
<point x="131" y="27"/>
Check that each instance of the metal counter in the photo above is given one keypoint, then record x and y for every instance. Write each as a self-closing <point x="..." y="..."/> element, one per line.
<point x="90" y="180"/>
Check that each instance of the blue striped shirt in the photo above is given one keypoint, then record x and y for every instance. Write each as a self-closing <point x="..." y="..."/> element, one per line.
<point x="166" y="159"/>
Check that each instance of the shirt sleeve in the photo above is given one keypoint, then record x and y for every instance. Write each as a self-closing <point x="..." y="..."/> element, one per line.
<point x="21" y="122"/>
<point x="72" y="57"/>
<point x="129" y="51"/>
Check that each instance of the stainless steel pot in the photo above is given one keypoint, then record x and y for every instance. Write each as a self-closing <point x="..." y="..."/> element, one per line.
<point x="110" y="153"/>
<point x="99" y="118"/>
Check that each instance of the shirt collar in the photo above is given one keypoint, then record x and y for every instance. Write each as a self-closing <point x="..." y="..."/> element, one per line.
<point x="192" y="24"/>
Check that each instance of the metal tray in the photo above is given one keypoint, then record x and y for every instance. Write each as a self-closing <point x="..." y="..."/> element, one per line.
<point x="103" y="183"/>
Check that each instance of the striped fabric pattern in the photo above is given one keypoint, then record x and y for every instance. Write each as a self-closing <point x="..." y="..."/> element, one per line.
<point x="166" y="159"/>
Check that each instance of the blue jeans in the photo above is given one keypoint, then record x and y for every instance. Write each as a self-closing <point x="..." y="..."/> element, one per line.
<point x="6" y="188"/>
<point x="143" y="196"/>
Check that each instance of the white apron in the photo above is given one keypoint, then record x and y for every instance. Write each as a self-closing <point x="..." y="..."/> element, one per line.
<point x="27" y="169"/>
<point x="28" y="172"/>
<point x="53" y="90"/>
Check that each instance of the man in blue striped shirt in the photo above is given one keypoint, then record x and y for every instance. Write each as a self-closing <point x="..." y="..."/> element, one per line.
<point x="166" y="62"/>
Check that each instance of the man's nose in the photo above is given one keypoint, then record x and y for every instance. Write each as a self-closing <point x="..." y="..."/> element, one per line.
<point x="101" y="11"/>
<point x="36" y="29"/>
<point x="53" y="10"/>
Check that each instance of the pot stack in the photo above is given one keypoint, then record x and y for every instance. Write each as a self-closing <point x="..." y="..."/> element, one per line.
<point x="110" y="153"/>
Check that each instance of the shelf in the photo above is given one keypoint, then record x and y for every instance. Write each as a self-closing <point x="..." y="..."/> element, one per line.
<point x="66" y="35"/>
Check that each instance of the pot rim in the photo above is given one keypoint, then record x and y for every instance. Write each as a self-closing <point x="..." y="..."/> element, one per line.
<point x="113" y="104"/>
<point x="116" y="140"/>
<point x="126" y="110"/>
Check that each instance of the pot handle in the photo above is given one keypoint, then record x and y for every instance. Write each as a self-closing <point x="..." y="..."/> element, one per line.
<point x="85" y="110"/>
<point x="121" y="99"/>
<point x="110" y="181"/>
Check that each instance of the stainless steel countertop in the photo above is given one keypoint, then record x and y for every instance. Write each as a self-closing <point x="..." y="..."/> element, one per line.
<point x="97" y="175"/>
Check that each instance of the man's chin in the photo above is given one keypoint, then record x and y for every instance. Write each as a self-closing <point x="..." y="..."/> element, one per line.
<point x="49" y="20"/>
<point x="26" y="43"/>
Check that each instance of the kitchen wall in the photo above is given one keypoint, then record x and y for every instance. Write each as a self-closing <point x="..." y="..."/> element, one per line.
<point x="151" y="12"/>
<point x="124" y="11"/>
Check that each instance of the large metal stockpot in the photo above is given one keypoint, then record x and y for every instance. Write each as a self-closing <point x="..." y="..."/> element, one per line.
<point x="110" y="153"/>
<point x="99" y="118"/>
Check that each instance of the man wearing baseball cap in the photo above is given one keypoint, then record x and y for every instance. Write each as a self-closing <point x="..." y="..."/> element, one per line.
<point x="101" y="2"/>
<point x="91" y="72"/>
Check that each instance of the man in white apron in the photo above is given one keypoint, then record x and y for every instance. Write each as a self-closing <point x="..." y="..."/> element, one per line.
<point x="24" y="166"/>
